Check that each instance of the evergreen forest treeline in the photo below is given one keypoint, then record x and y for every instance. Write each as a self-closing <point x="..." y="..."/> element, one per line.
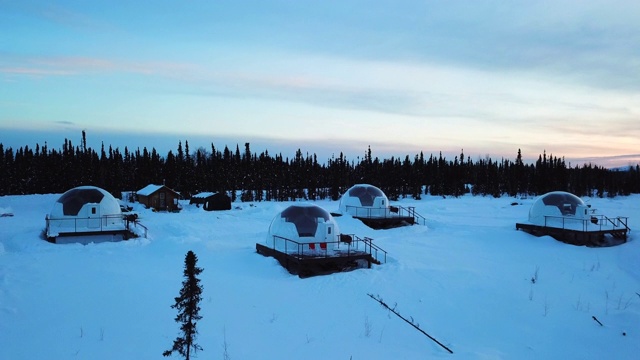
<point x="266" y="177"/>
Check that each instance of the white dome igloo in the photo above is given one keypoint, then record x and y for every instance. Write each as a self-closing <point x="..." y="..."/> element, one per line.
<point x="303" y="223"/>
<point x="85" y="209"/>
<point x="553" y="206"/>
<point x="364" y="200"/>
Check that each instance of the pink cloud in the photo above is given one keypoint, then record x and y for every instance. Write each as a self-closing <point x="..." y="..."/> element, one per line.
<point x="75" y="63"/>
<point x="67" y="66"/>
<point x="34" y="71"/>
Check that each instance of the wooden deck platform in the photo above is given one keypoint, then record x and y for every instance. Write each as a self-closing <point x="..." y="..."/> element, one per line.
<point x="386" y="222"/>
<point x="131" y="230"/>
<point x="306" y="266"/>
<point x="305" y="263"/>
<point x="591" y="238"/>
<point x="378" y="219"/>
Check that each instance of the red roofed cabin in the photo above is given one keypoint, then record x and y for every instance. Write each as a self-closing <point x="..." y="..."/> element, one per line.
<point x="159" y="198"/>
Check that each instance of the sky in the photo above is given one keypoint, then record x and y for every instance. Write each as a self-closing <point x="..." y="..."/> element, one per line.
<point x="402" y="76"/>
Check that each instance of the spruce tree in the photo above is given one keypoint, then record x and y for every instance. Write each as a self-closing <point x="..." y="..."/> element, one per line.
<point x="188" y="308"/>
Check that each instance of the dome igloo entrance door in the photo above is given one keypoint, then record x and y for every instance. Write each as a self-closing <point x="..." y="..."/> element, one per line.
<point x="93" y="220"/>
<point x="328" y="232"/>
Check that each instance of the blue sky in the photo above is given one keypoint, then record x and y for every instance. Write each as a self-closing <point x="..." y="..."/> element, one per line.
<point x="488" y="77"/>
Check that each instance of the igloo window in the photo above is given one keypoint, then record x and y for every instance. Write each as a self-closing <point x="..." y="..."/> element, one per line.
<point x="366" y="194"/>
<point x="305" y="218"/>
<point x="73" y="200"/>
<point x="567" y="203"/>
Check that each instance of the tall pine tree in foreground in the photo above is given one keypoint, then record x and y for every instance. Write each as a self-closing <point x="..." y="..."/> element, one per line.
<point x="188" y="309"/>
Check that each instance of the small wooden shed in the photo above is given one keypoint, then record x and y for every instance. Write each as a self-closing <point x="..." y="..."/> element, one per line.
<point x="212" y="201"/>
<point x="159" y="198"/>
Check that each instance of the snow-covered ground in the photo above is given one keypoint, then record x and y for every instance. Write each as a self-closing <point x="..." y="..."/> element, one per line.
<point x="465" y="278"/>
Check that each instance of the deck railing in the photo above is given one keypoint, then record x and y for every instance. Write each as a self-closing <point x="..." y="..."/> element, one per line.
<point x="83" y="224"/>
<point x="411" y="211"/>
<point x="136" y="224"/>
<point x="349" y="245"/>
<point x="600" y="222"/>
<point x="368" y="212"/>
<point x="373" y="248"/>
<point x="104" y="222"/>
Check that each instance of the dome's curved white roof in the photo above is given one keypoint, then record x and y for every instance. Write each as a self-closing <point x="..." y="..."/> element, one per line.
<point x="304" y="223"/>
<point x="72" y="202"/>
<point x="555" y="204"/>
<point x="364" y="200"/>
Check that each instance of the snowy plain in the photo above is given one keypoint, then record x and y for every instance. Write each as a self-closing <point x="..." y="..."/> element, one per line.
<point x="465" y="277"/>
